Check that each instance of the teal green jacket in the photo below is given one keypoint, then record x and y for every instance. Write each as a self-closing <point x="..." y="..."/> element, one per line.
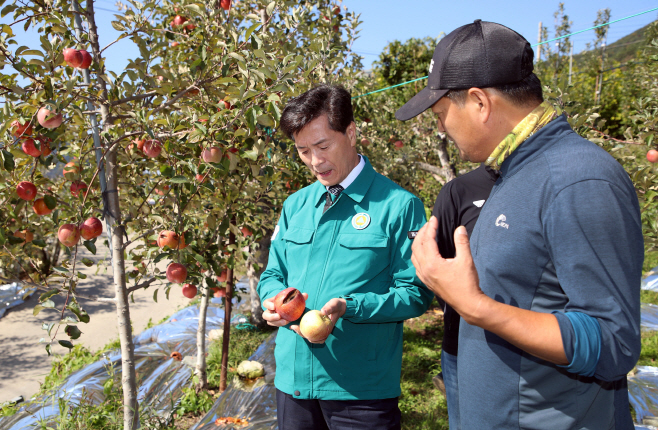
<point x="365" y="259"/>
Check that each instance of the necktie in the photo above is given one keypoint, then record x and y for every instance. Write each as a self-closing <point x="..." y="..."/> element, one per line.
<point x="335" y="190"/>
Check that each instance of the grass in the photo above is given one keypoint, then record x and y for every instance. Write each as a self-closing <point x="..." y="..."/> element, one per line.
<point x="423" y="407"/>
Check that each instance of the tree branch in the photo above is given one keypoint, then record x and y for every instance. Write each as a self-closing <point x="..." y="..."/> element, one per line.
<point x="135" y="97"/>
<point x="144" y="285"/>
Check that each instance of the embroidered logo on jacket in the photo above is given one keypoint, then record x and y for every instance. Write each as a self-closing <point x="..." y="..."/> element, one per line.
<point x="479" y="203"/>
<point x="500" y="221"/>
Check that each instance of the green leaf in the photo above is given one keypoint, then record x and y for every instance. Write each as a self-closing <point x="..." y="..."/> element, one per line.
<point x="50" y="201"/>
<point x="160" y="257"/>
<point x="72" y="331"/>
<point x="32" y="52"/>
<point x="81" y="275"/>
<point x="40" y="243"/>
<point x="270" y="8"/>
<point x="48" y="349"/>
<point x="37" y="309"/>
<point x="118" y="26"/>
<point x="155" y="296"/>
<point x="167" y="171"/>
<point x="61" y="269"/>
<point x="66" y="344"/>
<point x="90" y="246"/>
<point x="265" y="120"/>
<point x="48" y="304"/>
<point x="13" y="240"/>
<point x="48" y="294"/>
<point x="3" y="239"/>
<point x="87" y="262"/>
<point x="251" y="118"/>
<point x="251" y="30"/>
<point x="179" y="180"/>
<point x="7" y="160"/>
<point x="252" y="155"/>
<point x="80" y="313"/>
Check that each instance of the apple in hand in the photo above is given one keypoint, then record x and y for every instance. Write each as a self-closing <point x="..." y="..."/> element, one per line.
<point x="315" y="326"/>
<point x="289" y="304"/>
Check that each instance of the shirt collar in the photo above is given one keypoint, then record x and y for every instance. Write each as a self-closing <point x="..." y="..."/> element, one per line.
<point x="357" y="187"/>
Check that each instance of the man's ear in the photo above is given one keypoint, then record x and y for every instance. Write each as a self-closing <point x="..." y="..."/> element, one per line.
<point x="481" y="103"/>
<point x="351" y="133"/>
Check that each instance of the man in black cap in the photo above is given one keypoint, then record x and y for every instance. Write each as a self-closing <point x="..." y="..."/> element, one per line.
<point x="548" y="285"/>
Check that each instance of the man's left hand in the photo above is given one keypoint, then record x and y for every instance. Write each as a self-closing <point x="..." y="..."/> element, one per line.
<point x="455" y="280"/>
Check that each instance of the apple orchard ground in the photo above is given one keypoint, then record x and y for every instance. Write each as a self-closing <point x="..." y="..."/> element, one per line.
<point x="25" y="362"/>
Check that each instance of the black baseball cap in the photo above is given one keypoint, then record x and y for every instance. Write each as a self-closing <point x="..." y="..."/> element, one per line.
<point x="482" y="54"/>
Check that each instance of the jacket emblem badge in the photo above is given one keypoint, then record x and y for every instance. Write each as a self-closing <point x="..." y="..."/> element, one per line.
<point x="361" y="221"/>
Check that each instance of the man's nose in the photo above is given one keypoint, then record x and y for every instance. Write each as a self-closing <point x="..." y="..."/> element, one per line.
<point x="316" y="159"/>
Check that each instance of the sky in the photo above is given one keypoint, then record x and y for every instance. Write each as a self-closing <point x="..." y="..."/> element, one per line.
<point x="386" y="20"/>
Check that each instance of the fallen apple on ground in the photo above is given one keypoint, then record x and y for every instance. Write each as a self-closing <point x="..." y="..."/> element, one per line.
<point x="315" y="326"/>
<point x="289" y="304"/>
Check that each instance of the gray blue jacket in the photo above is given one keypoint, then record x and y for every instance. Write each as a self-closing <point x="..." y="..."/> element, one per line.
<point x="560" y="233"/>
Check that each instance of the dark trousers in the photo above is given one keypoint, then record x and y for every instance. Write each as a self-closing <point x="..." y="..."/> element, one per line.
<point x="302" y="414"/>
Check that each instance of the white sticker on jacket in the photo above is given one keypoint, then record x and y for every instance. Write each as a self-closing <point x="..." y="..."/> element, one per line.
<point x="361" y="221"/>
<point x="276" y="231"/>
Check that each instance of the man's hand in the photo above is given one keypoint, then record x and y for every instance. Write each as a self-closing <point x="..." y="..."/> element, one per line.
<point x="334" y="309"/>
<point x="455" y="280"/>
<point x="272" y="317"/>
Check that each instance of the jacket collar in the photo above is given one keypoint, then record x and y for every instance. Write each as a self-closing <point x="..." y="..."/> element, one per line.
<point x="535" y="145"/>
<point x="357" y="189"/>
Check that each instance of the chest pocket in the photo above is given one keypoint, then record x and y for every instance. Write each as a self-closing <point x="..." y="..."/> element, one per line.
<point x="362" y="254"/>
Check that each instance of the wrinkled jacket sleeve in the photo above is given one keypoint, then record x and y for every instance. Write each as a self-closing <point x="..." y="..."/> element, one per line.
<point x="597" y="248"/>
<point x="273" y="279"/>
<point x="408" y="297"/>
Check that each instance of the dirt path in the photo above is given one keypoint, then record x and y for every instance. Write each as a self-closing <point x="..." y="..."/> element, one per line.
<point x="25" y="362"/>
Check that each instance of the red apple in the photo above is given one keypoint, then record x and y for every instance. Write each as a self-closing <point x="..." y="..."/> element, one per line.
<point x="190" y="27"/>
<point x="76" y="187"/>
<point x="29" y="148"/>
<point x="20" y="130"/>
<point x="315" y="326"/>
<point x="69" y="235"/>
<point x="152" y="148"/>
<point x="45" y="145"/>
<point x="168" y="238"/>
<point x="212" y="155"/>
<point x="40" y="207"/>
<point x="174" y="44"/>
<point x="337" y="10"/>
<point x="71" y="170"/>
<point x="365" y="142"/>
<point x="219" y="292"/>
<point x="222" y="276"/>
<point x="73" y="57"/>
<point x="234" y="150"/>
<point x="26" y="235"/>
<point x="200" y="178"/>
<point x="163" y="191"/>
<point x="181" y="241"/>
<point x="86" y="59"/>
<point x="398" y="144"/>
<point x="225" y="4"/>
<point x="178" y="20"/>
<point x="223" y="104"/>
<point x="189" y="291"/>
<point x="652" y="156"/>
<point x="91" y="228"/>
<point x="26" y="190"/>
<point x="246" y="232"/>
<point x="289" y="304"/>
<point x="49" y="118"/>
<point x="177" y="273"/>
<point x="336" y="28"/>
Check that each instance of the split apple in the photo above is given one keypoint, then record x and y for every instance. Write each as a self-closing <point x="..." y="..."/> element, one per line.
<point x="289" y="304"/>
<point x="315" y="326"/>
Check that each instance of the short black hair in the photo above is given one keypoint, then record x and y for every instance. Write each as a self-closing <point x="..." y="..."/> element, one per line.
<point x="331" y="100"/>
<point x="525" y="92"/>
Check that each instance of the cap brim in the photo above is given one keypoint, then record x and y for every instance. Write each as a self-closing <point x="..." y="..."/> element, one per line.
<point x="419" y="103"/>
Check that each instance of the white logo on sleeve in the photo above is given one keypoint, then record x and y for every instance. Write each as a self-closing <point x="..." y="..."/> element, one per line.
<point x="479" y="203"/>
<point x="276" y="232"/>
<point x="500" y="221"/>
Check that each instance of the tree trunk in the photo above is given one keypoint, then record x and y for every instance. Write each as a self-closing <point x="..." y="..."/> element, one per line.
<point x="259" y="256"/>
<point x="444" y="158"/>
<point x="200" y="370"/>
<point x="227" y="318"/>
<point x="116" y="231"/>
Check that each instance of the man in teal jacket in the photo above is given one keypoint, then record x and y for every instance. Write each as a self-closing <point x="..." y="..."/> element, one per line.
<point x="343" y="242"/>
